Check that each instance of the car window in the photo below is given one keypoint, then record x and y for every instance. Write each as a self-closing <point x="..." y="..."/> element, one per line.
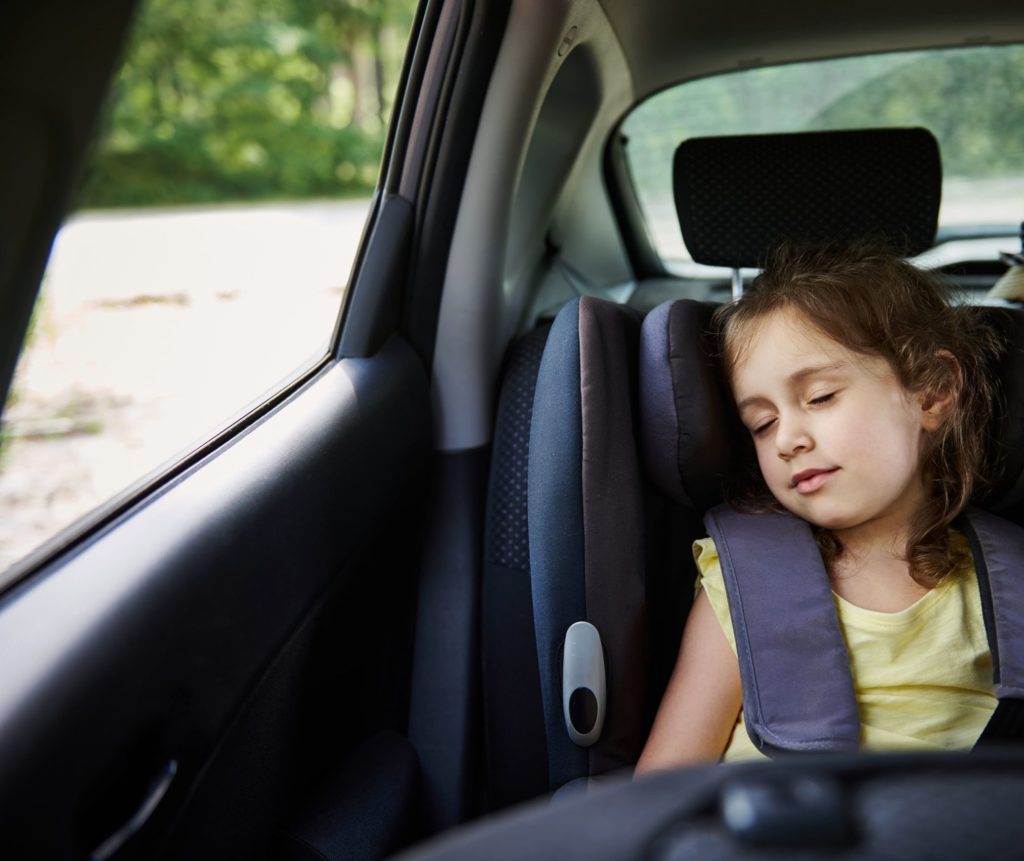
<point x="968" y="97"/>
<point x="205" y="263"/>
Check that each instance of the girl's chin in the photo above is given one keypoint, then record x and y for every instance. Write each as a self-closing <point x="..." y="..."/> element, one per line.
<point x="833" y="521"/>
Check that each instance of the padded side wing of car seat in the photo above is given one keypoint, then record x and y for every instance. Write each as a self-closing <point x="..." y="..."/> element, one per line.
<point x="586" y="527"/>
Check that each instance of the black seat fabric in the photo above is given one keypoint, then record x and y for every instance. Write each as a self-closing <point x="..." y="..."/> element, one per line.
<point x="944" y="807"/>
<point x="578" y="554"/>
<point x="515" y="750"/>
<point x="739" y="197"/>
<point x="687" y="437"/>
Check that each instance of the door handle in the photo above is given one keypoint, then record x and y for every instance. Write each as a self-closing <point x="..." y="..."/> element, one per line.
<point x="150" y="801"/>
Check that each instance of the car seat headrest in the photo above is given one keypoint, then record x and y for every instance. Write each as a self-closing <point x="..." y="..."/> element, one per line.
<point x="688" y="432"/>
<point x="691" y="438"/>
<point x="739" y="197"/>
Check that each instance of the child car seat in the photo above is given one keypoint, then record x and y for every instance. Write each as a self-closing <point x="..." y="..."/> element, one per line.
<point x="683" y="405"/>
<point x="737" y="198"/>
<point x="947" y="806"/>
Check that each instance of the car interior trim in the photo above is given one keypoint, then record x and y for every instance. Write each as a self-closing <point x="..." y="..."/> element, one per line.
<point x="451" y="148"/>
<point x="524" y="72"/>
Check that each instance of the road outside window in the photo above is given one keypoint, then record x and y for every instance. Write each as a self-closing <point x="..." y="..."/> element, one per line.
<point x="206" y="263"/>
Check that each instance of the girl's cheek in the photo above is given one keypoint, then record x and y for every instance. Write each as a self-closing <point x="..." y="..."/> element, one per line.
<point x="766" y="463"/>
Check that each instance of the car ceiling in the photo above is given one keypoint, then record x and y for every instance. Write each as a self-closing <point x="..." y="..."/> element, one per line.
<point x="666" y="41"/>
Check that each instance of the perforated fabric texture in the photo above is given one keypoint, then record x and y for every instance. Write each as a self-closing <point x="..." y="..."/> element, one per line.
<point x="507" y="538"/>
<point x="515" y="754"/>
<point x="740" y="197"/>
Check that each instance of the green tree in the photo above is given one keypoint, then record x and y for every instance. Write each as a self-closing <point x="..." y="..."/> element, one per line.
<point x="239" y="99"/>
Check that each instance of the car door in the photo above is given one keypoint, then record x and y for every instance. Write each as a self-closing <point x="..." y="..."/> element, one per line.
<point x="196" y="668"/>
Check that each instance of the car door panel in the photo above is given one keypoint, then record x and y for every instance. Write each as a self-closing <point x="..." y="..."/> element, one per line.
<point x="183" y="630"/>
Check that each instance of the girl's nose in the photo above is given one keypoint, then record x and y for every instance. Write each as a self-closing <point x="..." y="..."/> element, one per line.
<point x="791" y="438"/>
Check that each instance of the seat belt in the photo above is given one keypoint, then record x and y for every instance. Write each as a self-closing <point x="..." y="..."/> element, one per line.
<point x="797" y="687"/>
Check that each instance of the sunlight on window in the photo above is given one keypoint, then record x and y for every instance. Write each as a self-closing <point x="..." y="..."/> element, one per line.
<point x="207" y="262"/>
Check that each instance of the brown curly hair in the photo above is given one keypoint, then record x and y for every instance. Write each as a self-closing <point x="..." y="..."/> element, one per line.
<point x="876" y="304"/>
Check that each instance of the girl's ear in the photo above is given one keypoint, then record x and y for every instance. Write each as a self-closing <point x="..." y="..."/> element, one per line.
<point x="938" y="399"/>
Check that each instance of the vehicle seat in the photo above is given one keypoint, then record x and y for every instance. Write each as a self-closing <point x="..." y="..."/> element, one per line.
<point x="593" y="525"/>
<point x="574" y="552"/>
<point x="608" y="542"/>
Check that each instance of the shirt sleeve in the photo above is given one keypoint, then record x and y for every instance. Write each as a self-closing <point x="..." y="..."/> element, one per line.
<point x="709" y="578"/>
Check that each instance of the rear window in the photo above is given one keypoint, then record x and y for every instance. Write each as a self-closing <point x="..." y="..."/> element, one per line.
<point x="970" y="98"/>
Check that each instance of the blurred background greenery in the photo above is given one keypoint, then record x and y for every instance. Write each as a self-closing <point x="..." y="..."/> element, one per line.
<point x="968" y="97"/>
<point x="250" y="100"/>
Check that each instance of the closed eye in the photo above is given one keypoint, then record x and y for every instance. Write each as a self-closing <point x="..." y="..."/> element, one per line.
<point x="821" y="399"/>
<point x="761" y="428"/>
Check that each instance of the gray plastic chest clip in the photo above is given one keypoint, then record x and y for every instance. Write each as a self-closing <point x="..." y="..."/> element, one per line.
<point x="583" y="684"/>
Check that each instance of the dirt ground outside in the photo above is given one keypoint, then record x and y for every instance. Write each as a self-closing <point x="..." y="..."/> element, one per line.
<point x="154" y="328"/>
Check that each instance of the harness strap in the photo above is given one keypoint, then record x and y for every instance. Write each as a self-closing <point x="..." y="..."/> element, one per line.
<point x="997" y="546"/>
<point x="798" y="692"/>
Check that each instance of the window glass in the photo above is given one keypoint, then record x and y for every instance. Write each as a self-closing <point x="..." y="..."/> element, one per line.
<point x="970" y="99"/>
<point x="206" y="261"/>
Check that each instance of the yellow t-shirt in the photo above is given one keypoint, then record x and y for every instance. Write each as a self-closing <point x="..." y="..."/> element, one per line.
<point x="923" y="676"/>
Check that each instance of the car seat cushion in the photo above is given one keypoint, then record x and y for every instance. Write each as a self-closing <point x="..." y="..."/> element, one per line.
<point x="688" y="432"/>
<point x="515" y="749"/>
<point x="585" y="519"/>
<point x="613" y="521"/>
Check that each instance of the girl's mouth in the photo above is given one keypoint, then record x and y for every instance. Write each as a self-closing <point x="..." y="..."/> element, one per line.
<point x="809" y="480"/>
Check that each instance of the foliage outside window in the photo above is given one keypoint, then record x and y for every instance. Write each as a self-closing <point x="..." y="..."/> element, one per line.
<point x="970" y="98"/>
<point x="244" y="100"/>
<point x="165" y="313"/>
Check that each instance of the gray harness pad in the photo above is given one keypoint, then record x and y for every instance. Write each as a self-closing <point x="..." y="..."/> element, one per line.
<point x="798" y="692"/>
<point x="797" y="689"/>
<point x="998" y="548"/>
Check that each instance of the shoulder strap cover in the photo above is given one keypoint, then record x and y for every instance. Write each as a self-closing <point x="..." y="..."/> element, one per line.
<point x="998" y="549"/>
<point x="797" y="689"/>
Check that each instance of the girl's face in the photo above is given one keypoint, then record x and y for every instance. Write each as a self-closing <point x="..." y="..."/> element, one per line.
<point x="838" y="438"/>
